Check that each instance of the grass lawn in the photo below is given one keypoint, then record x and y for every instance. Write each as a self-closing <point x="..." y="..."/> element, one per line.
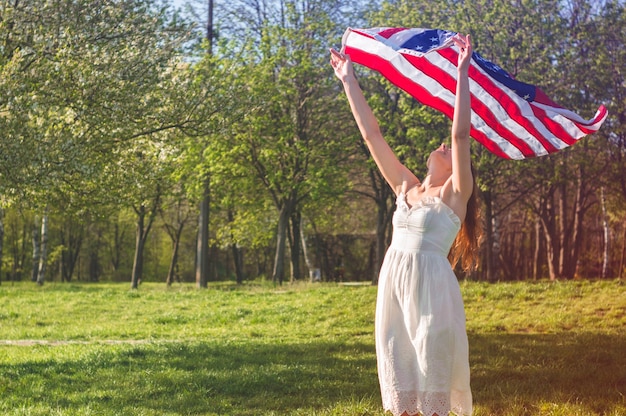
<point x="306" y="349"/>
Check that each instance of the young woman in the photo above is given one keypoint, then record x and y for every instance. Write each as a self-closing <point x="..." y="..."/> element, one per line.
<point x="421" y="341"/>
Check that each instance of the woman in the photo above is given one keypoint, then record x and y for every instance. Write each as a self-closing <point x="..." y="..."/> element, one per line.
<point x="421" y="341"/>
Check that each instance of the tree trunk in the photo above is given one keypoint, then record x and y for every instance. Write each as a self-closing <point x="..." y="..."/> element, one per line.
<point x="43" y="257"/>
<point x="238" y="262"/>
<point x="569" y="230"/>
<point x="143" y="229"/>
<point x="296" y="272"/>
<point x="490" y="239"/>
<point x="94" y="266"/>
<point x="552" y="257"/>
<point x="577" y="223"/>
<point x="175" y="229"/>
<point x="171" y="273"/>
<point x="19" y="248"/>
<point x="236" y="251"/>
<point x="562" y="233"/>
<point x="115" y="249"/>
<point x="72" y="241"/>
<point x="496" y="247"/>
<point x="606" y="235"/>
<point x="93" y="248"/>
<point x="538" y="250"/>
<point x="281" y="235"/>
<point x="139" y="246"/>
<point x="1" y="239"/>
<point x="623" y="255"/>
<point x="36" y="249"/>
<point x="547" y="218"/>
<point x="202" y="246"/>
<point x="305" y="251"/>
<point x="381" y="231"/>
<point x="175" y="233"/>
<point x="384" y="230"/>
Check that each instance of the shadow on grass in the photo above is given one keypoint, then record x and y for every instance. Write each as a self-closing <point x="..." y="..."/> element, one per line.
<point x="194" y="378"/>
<point x="532" y="372"/>
<point x="220" y="378"/>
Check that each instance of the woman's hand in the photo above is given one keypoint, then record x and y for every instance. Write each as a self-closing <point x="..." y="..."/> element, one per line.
<point x="341" y="64"/>
<point x="465" y="50"/>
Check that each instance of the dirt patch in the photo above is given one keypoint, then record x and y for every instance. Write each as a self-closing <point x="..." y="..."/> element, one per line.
<point x="33" y="342"/>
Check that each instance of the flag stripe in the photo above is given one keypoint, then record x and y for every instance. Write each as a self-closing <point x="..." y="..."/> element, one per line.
<point x="512" y="119"/>
<point x="489" y="101"/>
<point x="427" y="89"/>
<point x="397" y="76"/>
<point x="481" y="131"/>
<point x="508" y="104"/>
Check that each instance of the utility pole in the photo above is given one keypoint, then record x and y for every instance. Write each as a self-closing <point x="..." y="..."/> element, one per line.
<point x="209" y="27"/>
<point x="202" y="246"/>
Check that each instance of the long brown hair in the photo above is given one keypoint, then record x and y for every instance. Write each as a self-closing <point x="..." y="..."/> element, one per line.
<point x="466" y="246"/>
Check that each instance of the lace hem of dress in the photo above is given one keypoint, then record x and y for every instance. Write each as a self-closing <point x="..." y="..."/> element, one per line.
<point x="426" y="403"/>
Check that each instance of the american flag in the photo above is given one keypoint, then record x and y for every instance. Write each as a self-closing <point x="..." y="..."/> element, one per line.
<point x="512" y="119"/>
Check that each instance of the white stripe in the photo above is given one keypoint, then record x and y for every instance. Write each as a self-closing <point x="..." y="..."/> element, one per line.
<point x="526" y="112"/>
<point x="568" y="125"/>
<point x="371" y="46"/>
<point x="573" y="116"/>
<point x="501" y="115"/>
<point x="571" y="123"/>
<point x="558" y="115"/>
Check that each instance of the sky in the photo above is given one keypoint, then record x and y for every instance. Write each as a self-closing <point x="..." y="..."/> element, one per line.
<point x="177" y="3"/>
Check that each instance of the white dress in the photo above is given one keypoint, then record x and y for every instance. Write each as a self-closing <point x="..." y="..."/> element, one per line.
<point x="421" y="341"/>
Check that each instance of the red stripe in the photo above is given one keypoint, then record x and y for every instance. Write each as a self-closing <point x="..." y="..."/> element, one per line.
<point x="509" y="105"/>
<point x="391" y="73"/>
<point x="387" y="33"/>
<point x="542" y="98"/>
<point x="449" y="83"/>
<point x="555" y="128"/>
<point x="492" y="87"/>
<point x="395" y="77"/>
<point x="601" y="115"/>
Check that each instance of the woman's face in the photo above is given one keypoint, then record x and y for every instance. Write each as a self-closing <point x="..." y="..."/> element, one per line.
<point x="440" y="159"/>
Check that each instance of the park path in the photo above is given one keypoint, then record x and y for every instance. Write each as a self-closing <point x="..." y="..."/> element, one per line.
<point x="33" y="342"/>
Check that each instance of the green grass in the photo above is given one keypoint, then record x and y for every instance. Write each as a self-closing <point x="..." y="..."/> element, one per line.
<point x="100" y="349"/>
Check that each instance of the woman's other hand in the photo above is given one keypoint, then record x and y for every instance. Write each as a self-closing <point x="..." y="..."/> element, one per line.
<point x="342" y="65"/>
<point x="465" y="50"/>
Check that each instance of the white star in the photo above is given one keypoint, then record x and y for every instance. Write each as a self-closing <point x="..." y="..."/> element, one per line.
<point x="433" y="40"/>
<point x="527" y="97"/>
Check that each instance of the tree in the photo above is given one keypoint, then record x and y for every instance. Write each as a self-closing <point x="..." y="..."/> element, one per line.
<point x="175" y="217"/>
<point x="609" y="82"/>
<point x="288" y="140"/>
<point x="142" y="184"/>
<point x="88" y="75"/>
<point x="543" y="56"/>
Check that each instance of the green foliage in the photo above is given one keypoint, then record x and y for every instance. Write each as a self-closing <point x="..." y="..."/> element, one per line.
<point x="284" y="147"/>
<point x="103" y="103"/>
<point x="83" y="79"/>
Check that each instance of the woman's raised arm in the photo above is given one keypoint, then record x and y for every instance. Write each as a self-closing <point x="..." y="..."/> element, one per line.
<point x="462" y="181"/>
<point x="394" y="172"/>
